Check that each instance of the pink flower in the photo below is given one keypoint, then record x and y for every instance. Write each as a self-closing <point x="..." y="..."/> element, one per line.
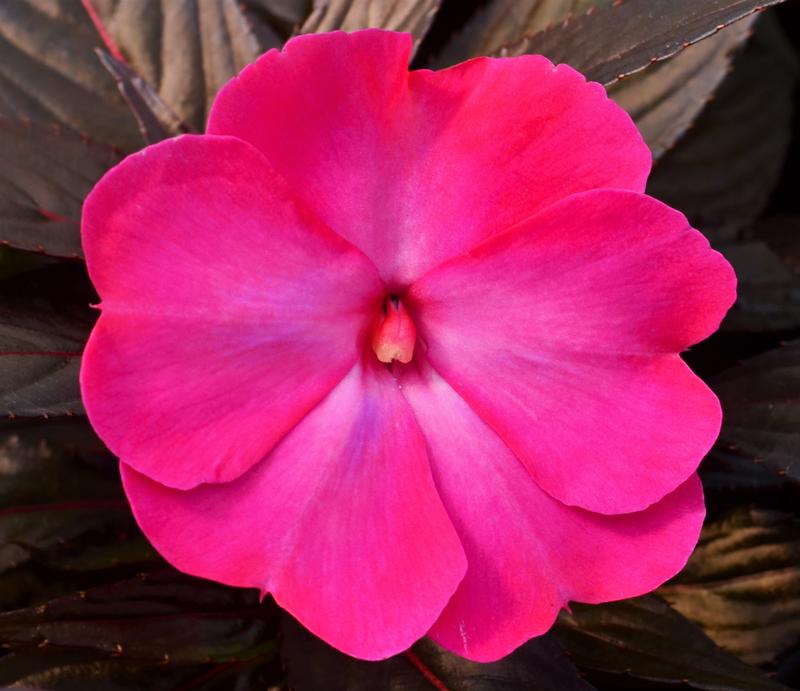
<point x="484" y="230"/>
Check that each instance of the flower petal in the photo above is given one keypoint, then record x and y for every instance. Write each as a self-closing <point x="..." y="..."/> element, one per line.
<point x="416" y="167"/>
<point x="562" y="335"/>
<point x="342" y="523"/>
<point x="228" y="311"/>
<point x="529" y="554"/>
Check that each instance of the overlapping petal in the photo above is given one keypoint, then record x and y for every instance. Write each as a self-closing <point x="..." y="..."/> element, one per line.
<point x="562" y="334"/>
<point x="528" y="554"/>
<point x="415" y="167"/>
<point x="229" y="311"/>
<point x="342" y="522"/>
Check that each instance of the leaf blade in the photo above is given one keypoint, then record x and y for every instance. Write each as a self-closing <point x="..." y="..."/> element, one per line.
<point x="762" y="411"/>
<point x="664" y="100"/>
<point x="42" y="335"/>
<point x="315" y="666"/>
<point x="46" y="175"/>
<point x="185" y="50"/>
<point x="633" y="45"/>
<point x="49" y="73"/>
<point x="154" y="617"/>
<point x="413" y="16"/>
<point x="155" y="118"/>
<point x="742" y="585"/>
<point x="645" y="639"/>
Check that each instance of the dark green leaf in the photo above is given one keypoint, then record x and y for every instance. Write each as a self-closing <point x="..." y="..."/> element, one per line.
<point x="49" y="72"/>
<point x="42" y="334"/>
<point x="62" y="512"/>
<point x="14" y="261"/>
<point x="725" y="168"/>
<point x="664" y="100"/>
<point x="413" y="16"/>
<point x="499" y="23"/>
<point x="762" y="409"/>
<point x="765" y="259"/>
<point x="724" y="171"/>
<point x="623" y="38"/>
<point x="46" y="174"/>
<point x="43" y="462"/>
<point x="156" y="119"/>
<point x="315" y="666"/>
<point x="188" y="49"/>
<point x="644" y="639"/>
<point x="275" y="20"/>
<point x="81" y="670"/>
<point x="163" y="617"/>
<point x="727" y="470"/>
<point x="541" y="663"/>
<point x="742" y="584"/>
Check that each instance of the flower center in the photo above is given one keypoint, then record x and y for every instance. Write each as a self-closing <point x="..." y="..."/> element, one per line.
<point x="394" y="333"/>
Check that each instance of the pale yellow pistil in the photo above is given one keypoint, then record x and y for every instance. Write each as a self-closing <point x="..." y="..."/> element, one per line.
<point x="394" y="335"/>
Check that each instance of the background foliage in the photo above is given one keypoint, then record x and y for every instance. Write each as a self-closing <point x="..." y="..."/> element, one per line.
<point x="87" y="604"/>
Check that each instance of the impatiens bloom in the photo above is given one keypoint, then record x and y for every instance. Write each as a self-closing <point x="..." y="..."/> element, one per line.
<point x="401" y="348"/>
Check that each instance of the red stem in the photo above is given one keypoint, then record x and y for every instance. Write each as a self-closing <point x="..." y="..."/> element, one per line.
<point x="101" y="29"/>
<point x="423" y="669"/>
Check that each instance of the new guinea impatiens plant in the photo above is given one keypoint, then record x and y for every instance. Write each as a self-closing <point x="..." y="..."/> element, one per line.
<point x="402" y="347"/>
<point x="356" y="345"/>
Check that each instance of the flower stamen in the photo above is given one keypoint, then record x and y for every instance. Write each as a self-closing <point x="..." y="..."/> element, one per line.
<point x="394" y="334"/>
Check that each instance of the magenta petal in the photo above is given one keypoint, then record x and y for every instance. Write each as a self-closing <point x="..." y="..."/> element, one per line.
<point x="529" y="554"/>
<point x="342" y="523"/>
<point x="228" y="311"/>
<point x="416" y="167"/>
<point x="563" y="335"/>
